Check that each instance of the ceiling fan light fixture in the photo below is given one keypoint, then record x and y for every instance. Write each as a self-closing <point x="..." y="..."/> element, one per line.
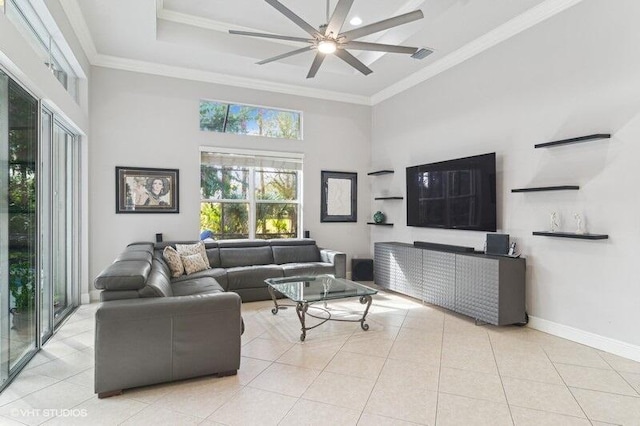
<point x="327" y="46"/>
<point x="355" y="21"/>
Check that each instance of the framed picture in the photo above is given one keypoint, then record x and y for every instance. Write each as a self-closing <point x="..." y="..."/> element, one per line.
<point x="339" y="197"/>
<point x="144" y="190"/>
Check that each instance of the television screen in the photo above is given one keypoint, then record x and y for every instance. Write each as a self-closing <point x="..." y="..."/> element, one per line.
<point x="454" y="194"/>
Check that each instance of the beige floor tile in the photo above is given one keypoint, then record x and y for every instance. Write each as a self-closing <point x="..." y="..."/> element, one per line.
<point x="344" y="391"/>
<point x="85" y="378"/>
<point x="595" y="379"/>
<point x="434" y="324"/>
<point x="527" y="368"/>
<point x="472" y="384"/>
<point x="6" y="421"/>
<point x="254" y="407"/>
<point x="364" y="366"/>
<point x="308" y="356"/>
<point x="199" y="399"/>
<point x="621" y="364"/>
<point x="403" y="403"/>
<point x="541" y="396"/>
<point x="375" y="344"/>
<point x="285" y="379"/>
<point x="59" y="348"/>
<point x="398" y="373"/>
<point x="576" y="355"/>
<point x="82" y="340"/>
<point x="108" y="411"/>
<point x="469" y="360"/>
<point x="150" y="394"/>
<point x="386" y="319"/>
<point x="311" y="413"/>
<point x="367" y="419"/>
<point x="610" y="408"/>
<point x="528" y="417"/>
<point x="265" y="349"/>
<point x="633" y="379"/>
<point x="250" y="368"/>
<point x="66" y="366"/>
<point x="26" y="383"/>
<point x="416" y="352"/>
<point x="32" y="409"/>
<point x="155" y="416"/>
<point x="463" y="411"/>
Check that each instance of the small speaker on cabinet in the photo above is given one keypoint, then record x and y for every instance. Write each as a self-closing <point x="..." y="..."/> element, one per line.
<point x="497" y="244"/>
<point x="362" y="269"/>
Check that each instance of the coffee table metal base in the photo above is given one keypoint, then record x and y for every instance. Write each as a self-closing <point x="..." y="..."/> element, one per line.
<point x="302" y="310"/>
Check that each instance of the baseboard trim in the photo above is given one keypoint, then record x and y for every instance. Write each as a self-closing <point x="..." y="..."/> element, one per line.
<point x="607" y="344"/>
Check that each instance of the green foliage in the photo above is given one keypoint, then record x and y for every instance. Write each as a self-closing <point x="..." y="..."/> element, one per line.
<point x="22" y="278"/>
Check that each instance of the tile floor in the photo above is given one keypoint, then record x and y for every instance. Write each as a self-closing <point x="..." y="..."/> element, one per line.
<point x="416" y="365"/>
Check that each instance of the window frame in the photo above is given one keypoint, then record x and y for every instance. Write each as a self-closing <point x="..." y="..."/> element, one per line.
<point x="252" y="201"/>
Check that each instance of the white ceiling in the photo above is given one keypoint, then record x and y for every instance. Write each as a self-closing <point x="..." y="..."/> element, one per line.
<point x="190" y="39"/>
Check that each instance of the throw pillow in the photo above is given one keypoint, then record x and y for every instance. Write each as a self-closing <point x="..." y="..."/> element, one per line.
<point x="172" y="258"/>
<point x="193" y="263"/>
<point x="197" y="248"/>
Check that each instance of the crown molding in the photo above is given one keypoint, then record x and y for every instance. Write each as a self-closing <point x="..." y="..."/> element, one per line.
<point x="79" y="25"/>
<point x="520" y="23"/>
<point x="228" y="80"/>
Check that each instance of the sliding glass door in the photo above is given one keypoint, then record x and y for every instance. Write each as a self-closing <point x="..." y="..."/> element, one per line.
<point x="38" y="222"/>
<point x="18" y="221"/>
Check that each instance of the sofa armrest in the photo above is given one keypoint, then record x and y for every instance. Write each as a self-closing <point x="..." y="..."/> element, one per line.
<point x="141" y="342"/>
<point x="338" y="259"/>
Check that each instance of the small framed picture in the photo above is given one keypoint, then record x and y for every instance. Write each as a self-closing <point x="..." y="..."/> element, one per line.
<point x="145" y="190"/>
<point x="338" y="197"/>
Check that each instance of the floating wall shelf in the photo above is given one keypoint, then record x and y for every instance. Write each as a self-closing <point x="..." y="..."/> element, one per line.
<point x="574" y="140"/>
<point x="380" y="224"/>
<point x="389" y="198"/>
<point x="380" y="172"/>
<point x="572" y="235"/>
<point x="548" y="188"/>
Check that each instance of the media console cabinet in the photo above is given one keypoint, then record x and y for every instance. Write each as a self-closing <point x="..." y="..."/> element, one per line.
<point x="487" y="288"/>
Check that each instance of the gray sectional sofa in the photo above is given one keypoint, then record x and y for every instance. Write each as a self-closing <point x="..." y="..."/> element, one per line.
<point x="152" y="328"/>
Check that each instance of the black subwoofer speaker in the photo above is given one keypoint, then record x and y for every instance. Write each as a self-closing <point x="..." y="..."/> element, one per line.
<point x="362" y="269"/>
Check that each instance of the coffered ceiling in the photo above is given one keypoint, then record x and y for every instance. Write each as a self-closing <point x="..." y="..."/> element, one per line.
<point x="190" y="39"/>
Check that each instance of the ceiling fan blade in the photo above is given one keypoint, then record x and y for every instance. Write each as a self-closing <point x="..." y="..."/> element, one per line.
<point x="317" y="61"/>
<point x="285" y="55"/>
<point x="353" y="61"/>
<point x="265" y="35"/>
<point x="382" y="25"/>
<point x="338" y="17"/>
<point x="292" y="16"/>
<point x="379" y="47"/>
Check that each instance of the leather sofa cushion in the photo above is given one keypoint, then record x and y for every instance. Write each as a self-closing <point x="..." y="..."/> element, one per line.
<point x="242" y="243"/>
<point x="158" y="284"/>
<point x="141" y="246"/>
<point x="307" y="268"/>
<point x="251" y="276"/>
<point x="202" y="285"/>
<point x="212" y="273"/>
<point x="295" y="254"/>
<point x="247" y="256"/>
<point x="135" y="255"/>
<point x="124" y="275"/>
<point x="213" y="254"/>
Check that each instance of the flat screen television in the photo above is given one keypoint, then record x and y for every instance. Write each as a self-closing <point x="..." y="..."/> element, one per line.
<point x="454" y="194"/>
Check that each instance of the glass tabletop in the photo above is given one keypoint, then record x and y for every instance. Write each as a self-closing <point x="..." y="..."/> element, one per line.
<point x="318" y="288"/>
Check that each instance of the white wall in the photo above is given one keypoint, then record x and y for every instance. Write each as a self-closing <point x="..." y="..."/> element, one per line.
<point x="149" y="121"/>
<point x="573" y="75"/>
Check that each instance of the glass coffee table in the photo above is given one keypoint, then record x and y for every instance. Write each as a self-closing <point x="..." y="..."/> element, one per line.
<point x="307" y="291"/>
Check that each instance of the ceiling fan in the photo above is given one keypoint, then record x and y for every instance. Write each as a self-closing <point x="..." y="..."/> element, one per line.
<point x="328" y="39"/>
